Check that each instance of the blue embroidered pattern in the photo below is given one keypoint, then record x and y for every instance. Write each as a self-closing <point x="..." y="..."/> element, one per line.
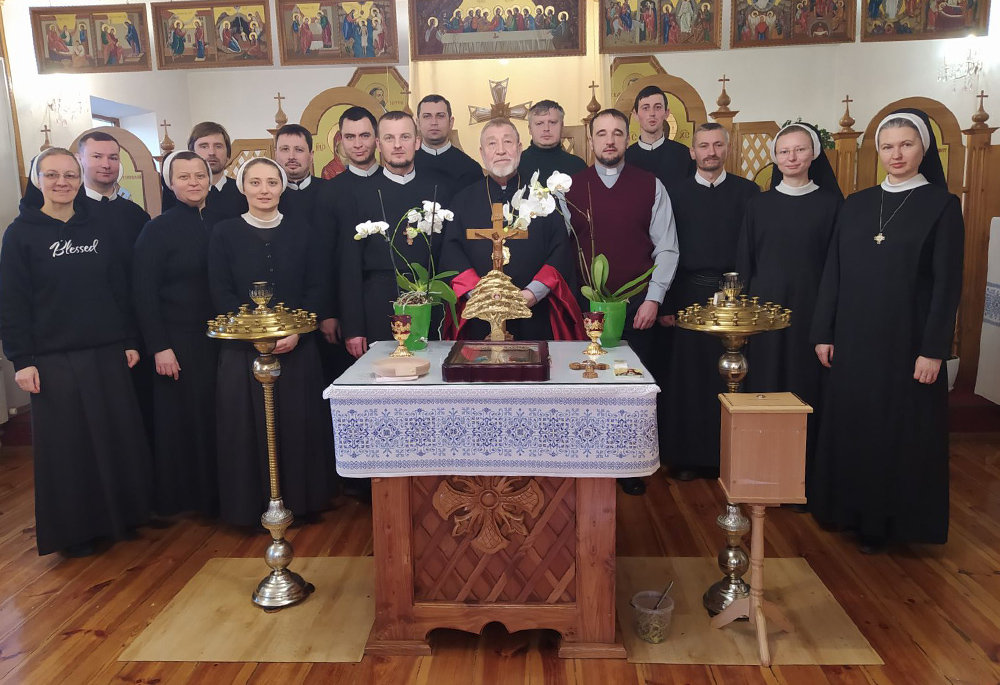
<point x="991" y="313"/>
<point x="424" y="431"/>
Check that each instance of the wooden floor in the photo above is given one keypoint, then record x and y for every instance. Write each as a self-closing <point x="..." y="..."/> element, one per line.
<point x="932" y="613"/>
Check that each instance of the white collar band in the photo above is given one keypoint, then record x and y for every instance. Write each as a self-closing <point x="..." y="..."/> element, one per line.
<point x="401" y="179"/>
<point x="786" y="189"/>
<point x="94" y="195"/>
<point x="262" y="223"/>
<point x="608" y="170"/>
<point x="364" y="173"/>
<point x="440" y="151"/>
<point x="651" y="146"/>
<point x="301" y="185"/>
<point x="908" y="184"/>
<point x="701" y="180"/>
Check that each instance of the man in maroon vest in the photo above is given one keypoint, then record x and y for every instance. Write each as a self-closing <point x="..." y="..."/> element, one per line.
<point x="633" y="226"/>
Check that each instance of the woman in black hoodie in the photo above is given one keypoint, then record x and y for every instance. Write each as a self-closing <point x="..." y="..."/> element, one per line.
<point x="66" y="325"/>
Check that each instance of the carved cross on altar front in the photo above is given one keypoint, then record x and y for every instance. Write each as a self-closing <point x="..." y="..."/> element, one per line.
<point x="491" y="506"/>
<point x="497" y="234"/>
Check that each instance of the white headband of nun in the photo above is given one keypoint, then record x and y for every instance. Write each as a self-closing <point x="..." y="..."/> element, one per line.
<point x="169" y="160"/>
<point x="817" y="146"/>
<point x="35" y="174"/>
<point x="243" y="168"/>
<point x="925" y="135"/>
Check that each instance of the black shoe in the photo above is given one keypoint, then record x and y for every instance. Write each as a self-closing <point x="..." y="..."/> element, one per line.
<point x="685" y="475"/>
<point x="632" y="486"/>
<point x="871" y="545"/>
<point x="85" y="549"/>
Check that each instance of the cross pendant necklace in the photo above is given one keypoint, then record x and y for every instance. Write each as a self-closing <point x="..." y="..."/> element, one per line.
<point x="880" y="236"/>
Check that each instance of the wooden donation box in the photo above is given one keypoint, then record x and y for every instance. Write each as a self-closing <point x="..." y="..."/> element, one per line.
<point x="763" y="447"/>
<point x="762" y="463"/>
<point x="495" y="502"/>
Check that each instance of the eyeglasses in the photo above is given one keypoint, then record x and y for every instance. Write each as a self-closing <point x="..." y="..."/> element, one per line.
<point x="55" y="176"/>
<point x="799" y="152"/>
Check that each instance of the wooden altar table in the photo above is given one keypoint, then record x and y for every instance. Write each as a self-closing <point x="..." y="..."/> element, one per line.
<point x="495" y="502"/>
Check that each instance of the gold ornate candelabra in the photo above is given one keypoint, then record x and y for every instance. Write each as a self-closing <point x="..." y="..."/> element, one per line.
<point x="263" y="327"/>
<point x="733" y="318"/>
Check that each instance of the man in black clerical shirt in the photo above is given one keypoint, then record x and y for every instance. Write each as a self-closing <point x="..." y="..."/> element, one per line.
<point x="211" y="142"/>
<point x="293" y="150"/>
<point x="668" y="160"/>
<point x="367" y="267"/>
<point x="545" y="154"/>
<point x="436" y="153"/>
<point x="709" y="208"/>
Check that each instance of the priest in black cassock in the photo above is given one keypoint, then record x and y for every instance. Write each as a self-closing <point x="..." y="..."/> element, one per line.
<point x="172" y="304"/>
<point x="537" y="263"/>
<point x="545" y="154"/>
<point x="293" y="151"/>
<point x="884" y="323"/>
<point x="782" y="249"/>
<point x="436" y="153"/>
<point x="709" y="208"/>
<point x="100" y="157"/>
<point x="631" y="222"/>
<point x="668" y="160"/>
<point x="265" y="245"/>
<point x="367" y="269"/>
<point x="212" y="143"/>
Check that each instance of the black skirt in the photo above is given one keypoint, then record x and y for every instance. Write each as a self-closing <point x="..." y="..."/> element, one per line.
<point x="184" y="468"/>
<point x="303" y="426"/>
<point x="92" y="461"/>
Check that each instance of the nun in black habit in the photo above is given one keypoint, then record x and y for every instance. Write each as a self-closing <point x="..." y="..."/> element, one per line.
<point x="884" y="322"/>
<point x="263" y="245"/>
<point x="172" y="302"/>
<point x="782" y="249"/>
<point x="67" y="327"/>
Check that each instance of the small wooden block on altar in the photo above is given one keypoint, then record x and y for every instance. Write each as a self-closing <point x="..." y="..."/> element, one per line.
<point x="490" y="361"/>
<point x="397" y="367"/>
<point x="763" y="447"/>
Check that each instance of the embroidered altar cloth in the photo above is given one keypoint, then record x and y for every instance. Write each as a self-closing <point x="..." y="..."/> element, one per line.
<point x="564" y="427"/>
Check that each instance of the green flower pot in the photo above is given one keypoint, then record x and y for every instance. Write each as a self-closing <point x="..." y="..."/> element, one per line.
<point x="420" y="323"/>
<point x="614" y="321"/>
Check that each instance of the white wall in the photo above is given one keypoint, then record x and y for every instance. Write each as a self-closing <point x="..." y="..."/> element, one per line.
<point x="774" y="83"/>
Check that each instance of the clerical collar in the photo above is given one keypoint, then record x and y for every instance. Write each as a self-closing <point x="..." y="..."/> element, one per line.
<point x="609" y="170"/>
<point x="221" y="182"/>
<point x="908" y="184"/>
<point x="364" y="173"/>
<point x="94" y="195"/>
<point x="651" y="146"/>
<point x="440" y="151"/>
<point x="709" y="184"/>
<point x="400" y="179"/>
<point x="786" y="189"/>
<point x="262" y="223"/>
<point x="301" y="185"/>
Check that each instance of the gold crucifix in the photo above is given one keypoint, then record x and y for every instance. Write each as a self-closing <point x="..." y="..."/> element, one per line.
<point x="589" y="368"/>
<point x="497" y="235"/>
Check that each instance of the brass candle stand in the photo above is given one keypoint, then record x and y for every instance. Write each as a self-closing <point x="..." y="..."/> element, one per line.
<point x="733" y="319"/>
<point x="263" y="327"/>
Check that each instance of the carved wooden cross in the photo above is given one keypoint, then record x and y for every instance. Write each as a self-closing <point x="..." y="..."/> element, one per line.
<point x="46" y="130"/>
<point x="279" y="97"/>
<point x="593" y="89"/>
<point x="164" y="126"/>
<point x="847" y="100"/>
<point x="724" y="81"/>
<point x="982" y="95"/>
<point x="496" y="234"/>
<point x="492" y="507"/>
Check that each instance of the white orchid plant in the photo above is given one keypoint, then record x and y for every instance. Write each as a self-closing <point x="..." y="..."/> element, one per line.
<point x="418" y="284"/>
